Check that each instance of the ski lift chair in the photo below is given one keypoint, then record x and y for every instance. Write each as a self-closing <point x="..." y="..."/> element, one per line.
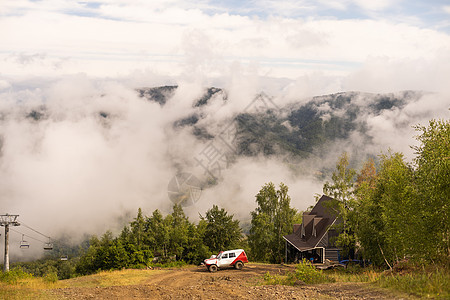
<point x="48" y="246"/>
<point x="24" y="244"/>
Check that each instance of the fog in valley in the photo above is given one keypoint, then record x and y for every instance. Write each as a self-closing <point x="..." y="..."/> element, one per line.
<point x="81" y="150"/>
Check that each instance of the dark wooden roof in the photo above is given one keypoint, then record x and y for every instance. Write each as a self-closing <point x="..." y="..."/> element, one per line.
<point x="314" y="225"/>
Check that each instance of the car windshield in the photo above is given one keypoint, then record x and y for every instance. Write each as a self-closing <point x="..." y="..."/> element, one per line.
<point x="220" y="254"/>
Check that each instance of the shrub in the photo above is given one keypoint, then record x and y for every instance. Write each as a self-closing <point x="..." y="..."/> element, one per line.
<point x="50" y="277"/>
<point x="14" y="275"/>
<point x="275" y="279"/>
<point x="305" y="272"/>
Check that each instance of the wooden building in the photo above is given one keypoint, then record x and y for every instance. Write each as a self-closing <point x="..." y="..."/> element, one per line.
<point x="314" y="238"/>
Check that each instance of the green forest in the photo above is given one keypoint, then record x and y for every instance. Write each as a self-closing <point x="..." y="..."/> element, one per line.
<point x="392" y="210"/>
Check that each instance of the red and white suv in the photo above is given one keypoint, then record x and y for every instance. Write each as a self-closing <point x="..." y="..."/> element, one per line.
<point x="228" y="258"/>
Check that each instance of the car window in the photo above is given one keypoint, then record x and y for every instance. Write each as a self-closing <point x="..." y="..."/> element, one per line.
<point x="232" y="255"/>
<point x="225" y="255"/>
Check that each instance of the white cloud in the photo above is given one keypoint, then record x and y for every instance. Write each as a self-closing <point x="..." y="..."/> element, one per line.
<point x="75" y="162"/>
<point x="335" y="4"/>
<point x="383" y="74"/>
<point x="4" y="84"/>
<point x="157" y="40"/>
<point x="283" y="7"/>
<point x="375" y="5"/>
<point x="446" y="9"/>
<point x="393" y="129"/>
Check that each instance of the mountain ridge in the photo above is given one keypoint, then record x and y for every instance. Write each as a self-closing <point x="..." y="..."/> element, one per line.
<point x="297" y="128"/>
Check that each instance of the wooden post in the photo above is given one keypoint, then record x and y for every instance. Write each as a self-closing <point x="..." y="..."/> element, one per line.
<point x="286" y="252"/>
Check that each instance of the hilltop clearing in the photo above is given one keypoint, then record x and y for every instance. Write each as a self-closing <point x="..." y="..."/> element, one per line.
<point x="197" y="283"/>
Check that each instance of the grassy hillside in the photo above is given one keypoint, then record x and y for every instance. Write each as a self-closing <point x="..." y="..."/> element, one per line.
<point x="20" y="285"/>
<point x="407" y="282"/>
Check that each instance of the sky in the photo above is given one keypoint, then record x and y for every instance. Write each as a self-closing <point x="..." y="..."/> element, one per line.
<point x="174" y="38"/>
<point x="73" y="172"/>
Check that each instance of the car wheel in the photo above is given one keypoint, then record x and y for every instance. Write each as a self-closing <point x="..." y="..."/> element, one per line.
<point x="239" y="265"/>
<point x="212" y="268"/>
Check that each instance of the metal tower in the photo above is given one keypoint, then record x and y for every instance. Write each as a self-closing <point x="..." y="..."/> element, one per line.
<point x="7" y="220"/>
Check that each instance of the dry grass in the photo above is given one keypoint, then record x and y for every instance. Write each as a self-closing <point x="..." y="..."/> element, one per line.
<point x="30" y="288"/>
<point x="368" y="275"/>
<point x="39" y="288"/>
<point x="433" y="283"/>
<point x="110" y="278"/>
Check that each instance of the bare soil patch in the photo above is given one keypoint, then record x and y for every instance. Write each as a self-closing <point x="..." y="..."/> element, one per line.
<point x="198" y="283"/>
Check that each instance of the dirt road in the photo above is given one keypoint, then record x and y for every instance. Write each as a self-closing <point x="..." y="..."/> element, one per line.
<point x="198" y="283"/>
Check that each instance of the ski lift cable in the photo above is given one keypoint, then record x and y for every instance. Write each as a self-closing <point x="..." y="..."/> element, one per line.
<point x="22" y="223"/>
<point x="48" y="245"/>
<point x="23" y="234"/>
